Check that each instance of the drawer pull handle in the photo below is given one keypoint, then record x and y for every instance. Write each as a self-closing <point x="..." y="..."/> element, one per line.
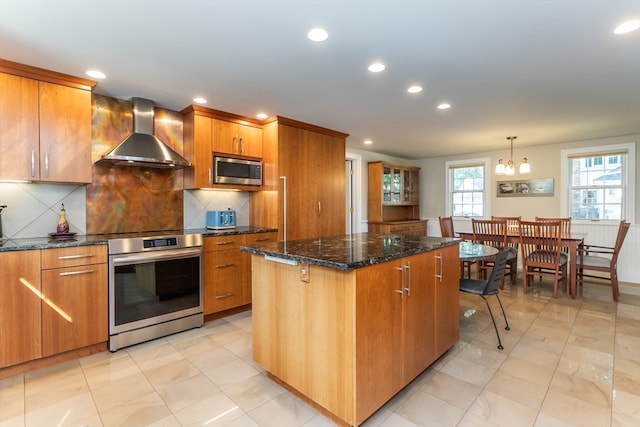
<point x="225" y="265"/>
<point x="223" y="296"/>
<point x="229" y="242"/>
<point x="73" y="273"/>
<point x="75" y="256"/>
<point x="262" y="239"/>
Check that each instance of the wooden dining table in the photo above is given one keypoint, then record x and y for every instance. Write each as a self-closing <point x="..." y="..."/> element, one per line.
<point x="573" y="241"/>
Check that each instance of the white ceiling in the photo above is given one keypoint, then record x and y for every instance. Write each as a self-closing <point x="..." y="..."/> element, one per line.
<point x="547" y="71"/>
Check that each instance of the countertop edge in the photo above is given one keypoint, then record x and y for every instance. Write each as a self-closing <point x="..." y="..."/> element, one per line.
<point x="432" y="244"/>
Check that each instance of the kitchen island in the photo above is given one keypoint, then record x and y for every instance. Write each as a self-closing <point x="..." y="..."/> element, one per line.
<point x="347" y="322"/>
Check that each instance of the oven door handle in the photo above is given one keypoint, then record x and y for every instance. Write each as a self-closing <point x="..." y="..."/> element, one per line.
<point x="155" y="256"/>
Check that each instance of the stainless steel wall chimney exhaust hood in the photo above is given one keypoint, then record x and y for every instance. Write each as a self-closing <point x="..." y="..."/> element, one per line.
<point x="142" y="147"/>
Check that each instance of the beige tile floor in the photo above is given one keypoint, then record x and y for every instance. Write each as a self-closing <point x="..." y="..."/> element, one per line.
<point x="565" y="363"/>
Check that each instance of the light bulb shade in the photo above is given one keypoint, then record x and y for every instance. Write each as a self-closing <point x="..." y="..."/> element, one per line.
<point x="509" y="170"/>
<point x="500" y="168"/>
<point x="524" y="166"/>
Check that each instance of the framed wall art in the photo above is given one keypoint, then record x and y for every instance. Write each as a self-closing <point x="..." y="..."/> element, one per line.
<point x="526" y="188"/>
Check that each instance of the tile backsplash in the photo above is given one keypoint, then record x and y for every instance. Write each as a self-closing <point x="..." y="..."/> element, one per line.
<point x="33" y="209"/>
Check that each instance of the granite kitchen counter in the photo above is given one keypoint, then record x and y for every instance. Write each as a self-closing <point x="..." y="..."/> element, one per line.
<point x="48" y="242"/>
<point x="348" y="252"/>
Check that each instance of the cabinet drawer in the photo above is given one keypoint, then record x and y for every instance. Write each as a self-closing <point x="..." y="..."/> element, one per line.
<point x="224" y="263"/>
<point x="219" y="243"/>
<point x="72" y="256"/>
<point x="260" y="238"/>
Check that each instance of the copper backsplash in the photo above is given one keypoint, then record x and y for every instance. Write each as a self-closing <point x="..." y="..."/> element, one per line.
<point x="129" y="198"/>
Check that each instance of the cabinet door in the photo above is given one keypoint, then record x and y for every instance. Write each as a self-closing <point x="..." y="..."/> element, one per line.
<point x="379" y="353"/>
<point x="65" y="134"/>
<point x="19" y="138"/>
<point x="250" y="140"/>
<point x="74" y="308"/>
<point x="20" y="314"/>
<point x="447" y="298"/>
<point x="225" y="137"/>
<point x="200" y="154"/>
<point x="418" y="315"/>
<point x="314" y="166"/>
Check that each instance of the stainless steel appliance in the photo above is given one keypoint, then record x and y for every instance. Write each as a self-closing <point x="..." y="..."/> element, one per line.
<point x="237" y="171"/>
<point x="154" y="287"/>
<point x="220" y="220"/>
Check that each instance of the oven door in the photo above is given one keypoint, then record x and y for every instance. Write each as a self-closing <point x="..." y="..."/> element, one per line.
<point x="150" y="288"/>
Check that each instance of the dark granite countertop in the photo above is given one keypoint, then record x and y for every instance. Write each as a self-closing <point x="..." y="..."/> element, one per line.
<point x="49" y="242"/>
<point x="352" y="251"/>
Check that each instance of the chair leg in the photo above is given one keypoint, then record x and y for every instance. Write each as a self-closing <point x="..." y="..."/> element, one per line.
<point x="507" y="327"/>
<point x="614" y="284"/>
<point x="500" y="347"/>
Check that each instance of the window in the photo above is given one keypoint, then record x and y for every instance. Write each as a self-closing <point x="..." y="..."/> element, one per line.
<point x="599" y="182"/>
<point x="467" y="188"/>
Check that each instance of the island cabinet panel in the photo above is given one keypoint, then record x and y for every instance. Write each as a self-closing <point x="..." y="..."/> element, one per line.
<point x="350" y="340"/>
<point x="447" y="298"/>
<point x="304" y="332"/>
<point x="20" y="315"/>
<point x="74" y="307"/>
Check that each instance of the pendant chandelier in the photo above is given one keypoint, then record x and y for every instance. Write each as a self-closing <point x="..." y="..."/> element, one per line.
<point x="510" y="167"/>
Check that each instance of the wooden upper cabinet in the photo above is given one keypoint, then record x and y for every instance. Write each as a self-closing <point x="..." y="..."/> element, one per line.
<point x="19" y="131"/>
<point x="197" y="131"/>
<point x="45" y="125"/>
<point x="236" y="138"/>
<point x="207" y="131"/>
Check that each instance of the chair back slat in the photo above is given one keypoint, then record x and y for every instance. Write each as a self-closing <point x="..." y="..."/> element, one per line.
<point x="446" y="226"/>
<point x="565" y="223"/>
<point x="490" y="232"/>
<point x="513" y="222"/>
<point x="495" y="278"/>
<point x="540" y="242"/>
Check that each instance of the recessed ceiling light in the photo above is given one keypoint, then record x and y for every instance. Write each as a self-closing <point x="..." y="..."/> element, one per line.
<point x="96" y="74"/>
<point x="376" y="67"/>
<point x="627" y="27"/>
<point x="414" y="89"/>
<point x="199" y="100"/>
<point x="262" y="116"/>
<point x="367" y="142"/>
<point x="444" y="106"/>
<point x="317" y="35"/>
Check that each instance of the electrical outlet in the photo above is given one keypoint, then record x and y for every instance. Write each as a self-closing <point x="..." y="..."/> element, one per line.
<point x="304" y="272"/>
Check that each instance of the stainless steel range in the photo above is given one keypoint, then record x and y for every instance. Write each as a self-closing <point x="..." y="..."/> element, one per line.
<point x="154" y="287"/>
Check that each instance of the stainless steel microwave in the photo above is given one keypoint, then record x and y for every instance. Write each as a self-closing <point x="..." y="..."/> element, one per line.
<point x="237" y="171"/>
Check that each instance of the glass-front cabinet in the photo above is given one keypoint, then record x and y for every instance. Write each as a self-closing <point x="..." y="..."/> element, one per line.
<point x="394" y="199"/>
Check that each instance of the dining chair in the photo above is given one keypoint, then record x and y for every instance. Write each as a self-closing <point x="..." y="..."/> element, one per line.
<point x="493" y="233"/>
<point x="607" y="264"/>
<point x="513" y="225"/>
<point x="565" y="223"/>
<point x="446" y="230"/>
<point x="541" y="247"/>
<point x="490" y="287"/>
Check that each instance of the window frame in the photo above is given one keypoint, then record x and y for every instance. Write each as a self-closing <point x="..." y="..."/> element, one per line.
<point x="628" y="182"/>
<point x="485" y="162"/>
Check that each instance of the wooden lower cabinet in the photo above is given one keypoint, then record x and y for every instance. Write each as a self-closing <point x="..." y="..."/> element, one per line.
<point x="20" y="315"/>
<point x="411" y="227"/>
<point x="74" y="307"/>
<point x="350" y="340"/>
<point x="52" y="301"/>
<point x="227" y="270"/>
